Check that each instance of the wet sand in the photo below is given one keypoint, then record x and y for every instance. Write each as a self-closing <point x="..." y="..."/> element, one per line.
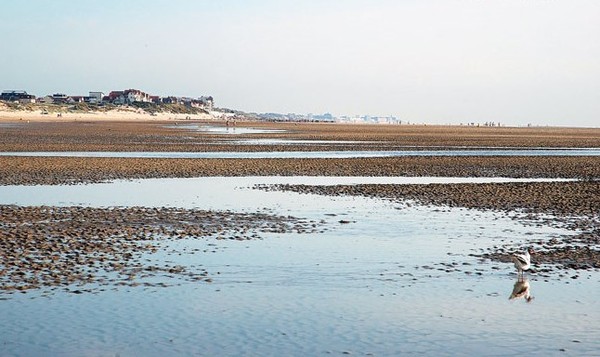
<point x="96" y="135"/>
<point x="165" y="136"/>
<point x="71" y="170"/>
<point x="62" y="258"/>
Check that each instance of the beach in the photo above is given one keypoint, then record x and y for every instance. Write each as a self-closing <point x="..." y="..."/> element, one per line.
<point x="64" y="113"/>
<point x="152" y="212"/>
<point x="133" y="135"/>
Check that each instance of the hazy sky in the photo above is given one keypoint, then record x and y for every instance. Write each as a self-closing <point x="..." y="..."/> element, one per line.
<point x="514" y="62"/>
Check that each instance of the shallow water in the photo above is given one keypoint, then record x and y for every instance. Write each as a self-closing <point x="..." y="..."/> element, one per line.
<point x="376" y="286"/>
<point x="299" y="142"/>
<point x="230" y="130"/>
<point x="207" y="192"/>
<point x="306" y="154"/>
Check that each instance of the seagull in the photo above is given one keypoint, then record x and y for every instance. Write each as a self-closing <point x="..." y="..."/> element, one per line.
<point x="522" y="289"/>
<point x="522" y="261"/>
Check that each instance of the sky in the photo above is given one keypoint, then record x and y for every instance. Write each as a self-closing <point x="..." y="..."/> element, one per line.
<point x="514" y="62"/>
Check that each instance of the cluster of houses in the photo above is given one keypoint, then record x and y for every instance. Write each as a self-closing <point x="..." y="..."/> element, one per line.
<point x="122" y="97"/>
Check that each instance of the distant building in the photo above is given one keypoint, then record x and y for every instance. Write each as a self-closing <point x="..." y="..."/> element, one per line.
<point x="116" y="97"/>
<point x="169" y="100"/>
<point x="207" y="102"/>
<point x="188" y="102"/>
<point x="20" y="96"/>
<point x="128" y="96"/>
<point x="327" y="117"/>
<point x="202" y="102"/>
<point x="46" y="99"/>
<point x="135" y="95"/>
<point x="76" y="99"/>
<point x="96" y="97"/>
<point x="59" y="98"/>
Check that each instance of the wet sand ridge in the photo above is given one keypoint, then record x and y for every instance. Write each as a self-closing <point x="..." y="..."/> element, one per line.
<point x="69" y="170"/>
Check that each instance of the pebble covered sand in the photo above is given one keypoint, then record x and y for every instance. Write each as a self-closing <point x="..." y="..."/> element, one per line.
<point x="58" y="247"/>
<point x="51" y="247"/>
<point x="72" y="170"/>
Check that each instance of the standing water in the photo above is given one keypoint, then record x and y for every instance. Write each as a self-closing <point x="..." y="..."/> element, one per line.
<point x="381" y="278"/>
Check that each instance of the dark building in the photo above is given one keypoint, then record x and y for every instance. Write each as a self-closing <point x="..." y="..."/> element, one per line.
<point x="16" y="95"/>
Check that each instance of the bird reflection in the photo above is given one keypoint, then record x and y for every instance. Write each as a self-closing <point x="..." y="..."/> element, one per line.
<point x="521" y="289"/>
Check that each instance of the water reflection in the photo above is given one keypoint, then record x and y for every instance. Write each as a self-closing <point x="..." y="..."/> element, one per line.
<point x="306" y="142"/>
<point x="350" y="290"/>
<point x="521" y="289"/>
<point x="230" y="128"/>
<point x="304" y="154"/>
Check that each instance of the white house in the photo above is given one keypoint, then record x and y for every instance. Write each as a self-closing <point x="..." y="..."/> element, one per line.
<point x="135" y="95"/>
<point x="207" y="102"/>
<point x="96" y="97"/>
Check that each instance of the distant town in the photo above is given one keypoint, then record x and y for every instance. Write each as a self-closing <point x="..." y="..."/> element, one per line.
<point x="151" y="103"/>
<point x="117" y="97"/>
<point x="138" y="98"/>
<point x="327" y="117"/>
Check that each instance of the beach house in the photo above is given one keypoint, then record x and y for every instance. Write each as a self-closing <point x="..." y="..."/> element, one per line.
<point x="20" y="96"/>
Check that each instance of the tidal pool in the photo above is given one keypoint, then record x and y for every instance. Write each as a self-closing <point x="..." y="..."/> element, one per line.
<point x="229" y="130"/>
<point x="397" y="279"/>
<point x="305" y="154"/>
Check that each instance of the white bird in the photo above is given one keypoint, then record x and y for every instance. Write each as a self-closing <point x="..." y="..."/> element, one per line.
<point x="522" y="289"/>
<point x="522" y="261"/>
